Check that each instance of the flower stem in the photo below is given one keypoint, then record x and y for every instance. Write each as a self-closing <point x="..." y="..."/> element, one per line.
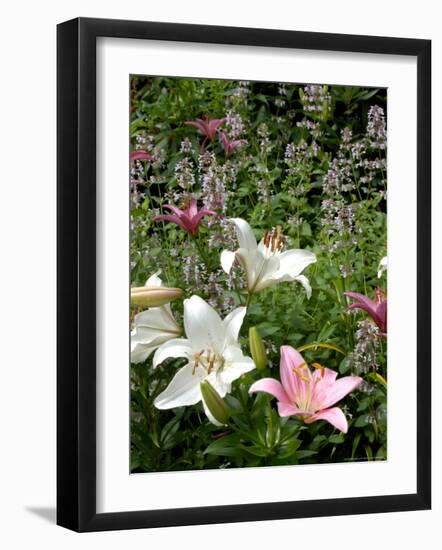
<point x="201" y="252"/>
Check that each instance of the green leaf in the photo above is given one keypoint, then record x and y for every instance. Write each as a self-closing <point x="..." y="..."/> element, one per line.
<point x="339" y="438"/>
<point x="288" y="449"/>
<point x="355" y="445"/>
<point x="256" y="450"/>
<point x="225" y="446"/>
<point x="305" y="454"/>
<point x="361" y="421"/>
<point x="168" y="433"/>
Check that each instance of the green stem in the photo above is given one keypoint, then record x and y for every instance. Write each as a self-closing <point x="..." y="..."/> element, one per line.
<point x="201" y="252"/>
<point x="249" y="299"/>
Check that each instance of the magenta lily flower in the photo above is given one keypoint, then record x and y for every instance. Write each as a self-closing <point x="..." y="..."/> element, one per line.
<point x="376" y="309"/>
<point x="308" y="395"/>
<point x="230" y="146"/>
<point x="187" y="218"/>
<point x="206" y="126"/>
<point x="140" y="155"/>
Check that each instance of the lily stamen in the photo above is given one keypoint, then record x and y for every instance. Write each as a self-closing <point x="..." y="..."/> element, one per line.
<point x="299" y="374"/>
<point x="211" y="362"/>
<point x="319" y="367"/>
<point x="197" y="360"/>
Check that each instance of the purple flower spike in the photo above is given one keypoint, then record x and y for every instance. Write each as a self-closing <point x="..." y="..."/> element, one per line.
<point x="376" y="309"/>
<point x="187" y="218"/>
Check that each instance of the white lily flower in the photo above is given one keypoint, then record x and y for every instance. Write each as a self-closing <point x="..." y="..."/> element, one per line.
<point x="152" y="327"/>
<point x="212" y="352"/>
<point x="265" y="263"/>
<point x="382" y="266"/>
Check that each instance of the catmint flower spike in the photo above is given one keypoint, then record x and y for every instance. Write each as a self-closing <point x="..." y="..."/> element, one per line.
<point x="257" y="348"/>
<point x="214" y="403"/>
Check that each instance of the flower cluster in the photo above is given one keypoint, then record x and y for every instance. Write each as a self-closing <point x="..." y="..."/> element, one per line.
<point x="364" y="357"/>
<point x="315" y="99"/>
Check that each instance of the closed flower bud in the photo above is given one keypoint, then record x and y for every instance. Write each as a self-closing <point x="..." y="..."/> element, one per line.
<point x="153" y="296"/>
<point x="257" y="348"/>
<point x="214" y="402"/>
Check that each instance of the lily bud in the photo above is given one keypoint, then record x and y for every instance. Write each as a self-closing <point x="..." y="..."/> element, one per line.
<point x="153" y="296"/>
<point x="257" y="348"/>
<point x="214" y="403"/>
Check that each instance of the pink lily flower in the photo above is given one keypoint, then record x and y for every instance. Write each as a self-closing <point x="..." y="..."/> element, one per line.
<point x="230" y="146"/>
<point x="139" y="154"/>
<point x="187" y="218"/>
<point x="376" y="309"/>
<point x="308" y="395"/>
<point x="206" y="126"/>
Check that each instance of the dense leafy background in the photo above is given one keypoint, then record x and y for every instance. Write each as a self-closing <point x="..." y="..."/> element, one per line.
<point x="313" y="161"/>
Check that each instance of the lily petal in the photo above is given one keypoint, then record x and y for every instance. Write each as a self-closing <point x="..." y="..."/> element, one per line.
<point x="245" y="235"/>
<point x="383" y="264"/>
<point x="198" y="123"/>
<point x="291" y="359"/>
<point x="140" y="352"/>
<point x="293" y="262"/>
<point x="141" y="155"/>
<point x="362" y="302"/>
<point x="155" y="319"/>
<point x="154" y="280"/>
<point x="305" y="283"/>
<point x="197" y="217"/>
<point x="334" y="416"/>
<point x="203" y="325"/>
<point x="171" y="218"/>
<point x="287" y="409"/>
<point x="339" y="389"/>
<point x="232" y="325"/>
<point x="247" y="259"/>
<point x="192" y="208"/>
<point x="149" y="337"/>
<point x="179" y="347"/>
<point x="271" y="386"/>
<point x="227" y="259"/>
<point x="236" y="364"/>
<point x="177" y="211"/>
<point x="264" y="271"/>
<point x="184" y="389"/>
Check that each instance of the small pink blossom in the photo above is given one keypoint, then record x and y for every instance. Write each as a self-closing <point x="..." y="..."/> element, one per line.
<point x="207" y="126"/>
<point x="187" y="218"/>
<point x="308" y="395"/>
<point x="376" y="309"/>
<point x="230" y="146"/>
<point x="139" y="154"/>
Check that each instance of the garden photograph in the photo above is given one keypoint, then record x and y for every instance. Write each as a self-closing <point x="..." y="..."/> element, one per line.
<point x="258" y="262"/>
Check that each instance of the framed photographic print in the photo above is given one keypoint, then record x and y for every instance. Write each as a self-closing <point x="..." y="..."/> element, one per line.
<point x="236" y="208"/>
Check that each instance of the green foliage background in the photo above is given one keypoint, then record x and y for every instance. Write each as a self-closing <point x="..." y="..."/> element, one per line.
<point x="267" y="188"/>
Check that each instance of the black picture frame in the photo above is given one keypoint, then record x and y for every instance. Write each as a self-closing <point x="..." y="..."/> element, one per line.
<point x="76" y="274"/>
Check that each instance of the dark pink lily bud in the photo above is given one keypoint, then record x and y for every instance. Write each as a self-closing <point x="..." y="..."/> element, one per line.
<point x="141" y="155"/>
